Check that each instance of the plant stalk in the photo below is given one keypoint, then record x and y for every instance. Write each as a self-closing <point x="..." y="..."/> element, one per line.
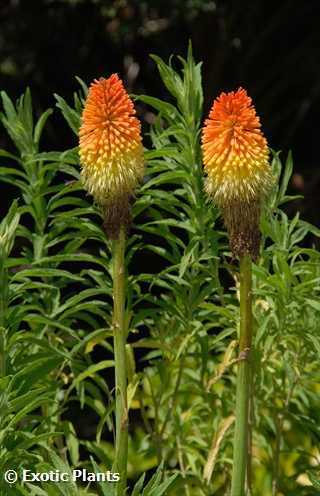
<point x="3" y="309"/>
<point x="242" y="425"/>
<point x="119" y="339"/>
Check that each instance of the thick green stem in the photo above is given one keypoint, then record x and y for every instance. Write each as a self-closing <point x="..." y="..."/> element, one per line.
<point x="119" y="337"/>
<point x="241" y="436"/>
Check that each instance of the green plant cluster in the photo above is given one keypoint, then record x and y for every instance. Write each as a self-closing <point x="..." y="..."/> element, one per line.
<point x="182" y="320"/>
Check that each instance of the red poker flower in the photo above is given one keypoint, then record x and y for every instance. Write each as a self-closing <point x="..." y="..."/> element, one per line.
<point x="111" y="152"/>
<point x="236" y="163"/>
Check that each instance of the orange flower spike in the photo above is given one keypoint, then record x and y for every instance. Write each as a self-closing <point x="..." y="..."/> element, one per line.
<point x="111" y="152"/>
<point x="236" y="162"/>
<point x="235" y="152"/>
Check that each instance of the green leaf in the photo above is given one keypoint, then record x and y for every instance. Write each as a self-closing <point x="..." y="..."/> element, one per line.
<point x="36" y="370"/>
<point x="161" y="489"/>
<point x="40" y="125"/>
<point x="314" y="479"/>
<point x="168" y="110"/>
<point x="138" y="486"/>
<point x="33" y="405"/>
<point x="68" y="488"/>
<point x="108" y="489"/>
<point x="26" y="273"/>
<point x="92" y="370"/>
<point x="72" y="443"/>
<point x="286" y="177"/>
<point x="71" y="116"/>
<point x="36" y="490"/>
<point x="313" y="303"/>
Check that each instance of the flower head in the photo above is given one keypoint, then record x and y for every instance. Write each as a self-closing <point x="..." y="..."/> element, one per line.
<point x="111" y="152"/>
<point x="235" y="152"/>
<point x="236" y="162"/>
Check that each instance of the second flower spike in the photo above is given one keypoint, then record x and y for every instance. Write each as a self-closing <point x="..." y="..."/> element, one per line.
<point x="111" y="151"/>
<point x="236" y="161"/>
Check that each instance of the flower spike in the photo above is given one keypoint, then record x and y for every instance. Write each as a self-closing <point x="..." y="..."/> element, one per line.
<point x="236" y="162"/>
<point x="111" y="152"/>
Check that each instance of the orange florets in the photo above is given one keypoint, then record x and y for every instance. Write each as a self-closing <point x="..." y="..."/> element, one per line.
<point x="235" y="152"/>
<point x="111" y="151"/>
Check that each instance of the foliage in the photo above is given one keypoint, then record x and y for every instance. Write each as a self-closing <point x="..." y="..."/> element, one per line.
<point x="182" y="317"/>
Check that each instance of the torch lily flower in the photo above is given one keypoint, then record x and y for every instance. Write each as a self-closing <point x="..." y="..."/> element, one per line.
<point x="111" y="152"/>
<point x="236" y="163"/>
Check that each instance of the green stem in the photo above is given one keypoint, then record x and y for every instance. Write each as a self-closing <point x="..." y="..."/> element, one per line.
<point x="241" y="436"/>
<point x="119" y="337"/>
<point x="174" y="398"/>
<point x="3" y="309"/>
<point x="275" y="476"/>
<point x="251" y="420"/>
